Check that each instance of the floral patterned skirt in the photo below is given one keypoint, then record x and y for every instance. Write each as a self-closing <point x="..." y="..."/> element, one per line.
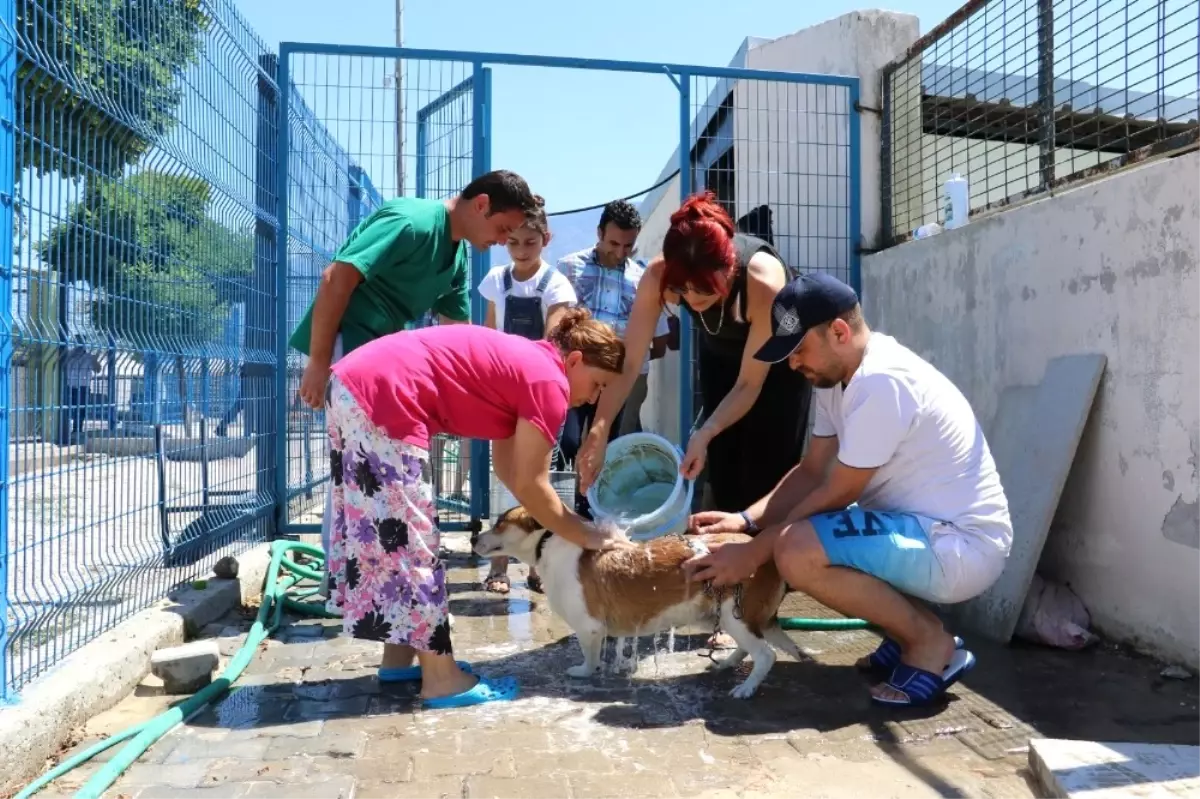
<point x="385" y="576"/>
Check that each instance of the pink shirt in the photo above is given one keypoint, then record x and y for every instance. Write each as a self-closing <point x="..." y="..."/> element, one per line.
<point x="464" y="380"/>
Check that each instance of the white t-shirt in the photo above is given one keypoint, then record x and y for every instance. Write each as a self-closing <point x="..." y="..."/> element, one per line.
<point x="900" y="415"/>
<point x="558" y="290"/>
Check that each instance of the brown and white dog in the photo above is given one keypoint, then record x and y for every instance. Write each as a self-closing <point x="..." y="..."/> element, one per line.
<point x="643" y="591"/>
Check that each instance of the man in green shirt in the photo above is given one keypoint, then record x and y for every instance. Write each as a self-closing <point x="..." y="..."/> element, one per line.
<point x="404" y="260"/>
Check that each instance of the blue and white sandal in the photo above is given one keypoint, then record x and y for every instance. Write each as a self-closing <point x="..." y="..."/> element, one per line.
<point x="413" y="673"/>
<point x="883" y="660"/>
<point x="920" y="687"/>
<point x="501" y="689"/>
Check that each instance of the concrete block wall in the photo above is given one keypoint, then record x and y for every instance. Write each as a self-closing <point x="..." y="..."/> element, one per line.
<point x="1107" y="267"/>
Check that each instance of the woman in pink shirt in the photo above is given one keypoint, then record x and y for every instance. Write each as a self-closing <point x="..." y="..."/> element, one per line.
<point x="386" y="400"/>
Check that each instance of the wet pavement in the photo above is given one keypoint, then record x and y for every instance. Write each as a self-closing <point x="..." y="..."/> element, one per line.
<point x="309" y="719"/>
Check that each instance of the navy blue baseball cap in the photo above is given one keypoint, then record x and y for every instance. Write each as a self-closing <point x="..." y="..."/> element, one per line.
<point x="808" y="301"/>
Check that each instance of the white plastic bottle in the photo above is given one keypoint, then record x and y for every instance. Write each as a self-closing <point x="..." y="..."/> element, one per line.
<point x="957" y="202"/>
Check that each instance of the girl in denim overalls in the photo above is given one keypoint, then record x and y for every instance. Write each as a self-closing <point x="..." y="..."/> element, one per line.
<point x="525" y="299"/>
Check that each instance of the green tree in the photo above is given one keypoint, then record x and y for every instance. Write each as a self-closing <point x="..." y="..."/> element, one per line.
<point x="165" y="271"/>
<point x="99" y="79"/>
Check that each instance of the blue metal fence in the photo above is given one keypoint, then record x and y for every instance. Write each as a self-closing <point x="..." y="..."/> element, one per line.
<point x="329" y="193"/>
<point x="8" y="116"/>
<point x="138" y="307"/>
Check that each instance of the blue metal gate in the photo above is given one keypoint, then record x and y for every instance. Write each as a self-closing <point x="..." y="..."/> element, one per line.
<point x="779" y="149"/>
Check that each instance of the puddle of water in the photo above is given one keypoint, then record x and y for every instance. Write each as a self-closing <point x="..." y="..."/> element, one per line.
<point x="242" y="708"/>
<point x="520" y="621"/>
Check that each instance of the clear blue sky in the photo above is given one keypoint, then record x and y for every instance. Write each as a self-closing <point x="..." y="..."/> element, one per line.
<point x="579" y="137"/>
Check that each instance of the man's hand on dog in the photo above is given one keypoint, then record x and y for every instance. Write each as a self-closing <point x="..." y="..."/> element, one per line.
<point x="710" y="522"/>
<point x="725" y="564"/>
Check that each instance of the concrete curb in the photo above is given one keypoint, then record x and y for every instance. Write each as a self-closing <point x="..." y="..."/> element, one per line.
<point x="99" y="675"/>
<point x="1064" y="769"/>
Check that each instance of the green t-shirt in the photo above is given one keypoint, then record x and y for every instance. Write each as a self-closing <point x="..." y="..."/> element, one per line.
<point x="410" y="266"/>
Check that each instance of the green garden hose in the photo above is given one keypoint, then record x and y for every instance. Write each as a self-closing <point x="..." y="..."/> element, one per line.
<point x="145" y="735"/>
<point x="823" y="625"/>
<point x="276" y="598"/>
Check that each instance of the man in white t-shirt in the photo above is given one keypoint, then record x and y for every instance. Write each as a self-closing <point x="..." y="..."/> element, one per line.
<point x="897" y="499"/>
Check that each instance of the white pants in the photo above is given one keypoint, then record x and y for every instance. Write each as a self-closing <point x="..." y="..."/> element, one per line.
<point x="327" y="517"/>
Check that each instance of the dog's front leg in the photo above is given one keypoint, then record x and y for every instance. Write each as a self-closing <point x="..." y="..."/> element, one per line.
<point x="591" y="641"/>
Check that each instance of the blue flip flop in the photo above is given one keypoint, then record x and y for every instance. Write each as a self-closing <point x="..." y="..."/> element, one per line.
<point x="413" y="673"/>
<point x="501" y="689"/>
<point x="921" y="687"/>
<point x="881" y="662"/>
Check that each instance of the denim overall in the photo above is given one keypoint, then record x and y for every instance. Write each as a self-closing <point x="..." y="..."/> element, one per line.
<point x="523" y="315"/>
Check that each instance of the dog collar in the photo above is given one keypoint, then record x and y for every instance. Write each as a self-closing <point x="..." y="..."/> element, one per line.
<point x="541" y="544"/>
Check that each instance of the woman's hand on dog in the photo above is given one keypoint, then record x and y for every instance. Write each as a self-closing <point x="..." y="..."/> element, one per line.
<point x="606" y="537"/>
<point x="725" y="564"/>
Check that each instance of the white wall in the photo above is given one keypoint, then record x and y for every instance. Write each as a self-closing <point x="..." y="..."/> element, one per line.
<point x="1109" y="267"/>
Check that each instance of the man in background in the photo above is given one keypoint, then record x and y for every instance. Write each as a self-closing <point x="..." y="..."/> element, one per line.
<point x="605" y="278"/>
<point x="78" y="367"/>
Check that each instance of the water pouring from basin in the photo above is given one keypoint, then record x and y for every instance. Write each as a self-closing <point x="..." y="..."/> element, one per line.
<point x="640" y="488"/>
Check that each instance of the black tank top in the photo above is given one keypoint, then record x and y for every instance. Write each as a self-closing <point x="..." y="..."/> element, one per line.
<point x="724" y="327"/>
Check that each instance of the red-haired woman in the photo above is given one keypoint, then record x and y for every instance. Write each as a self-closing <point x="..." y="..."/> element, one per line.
<point x="755" y="413"/>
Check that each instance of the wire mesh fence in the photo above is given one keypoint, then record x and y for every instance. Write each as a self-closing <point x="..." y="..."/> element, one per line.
<point x="778" y="148"/>
<point x="1022" y="96"/>
<point x="138" y="323"/>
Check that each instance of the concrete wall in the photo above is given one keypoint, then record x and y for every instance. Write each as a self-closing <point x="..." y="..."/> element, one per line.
<point x="776" y="152"/>
<point x="1109" y="267"/>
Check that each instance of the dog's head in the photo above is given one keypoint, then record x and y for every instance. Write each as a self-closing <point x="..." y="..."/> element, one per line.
<point x="515" y="534"/>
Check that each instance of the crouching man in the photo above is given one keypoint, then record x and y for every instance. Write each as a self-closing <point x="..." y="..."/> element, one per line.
<point x="896" y="501"/>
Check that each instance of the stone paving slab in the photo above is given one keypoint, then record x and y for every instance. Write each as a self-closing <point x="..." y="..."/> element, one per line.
<point x="1095" y="770"/>
<point x="310" y="719"/>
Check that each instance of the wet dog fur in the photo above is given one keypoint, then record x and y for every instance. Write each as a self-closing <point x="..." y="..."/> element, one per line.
<point x="643" y="591"/>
